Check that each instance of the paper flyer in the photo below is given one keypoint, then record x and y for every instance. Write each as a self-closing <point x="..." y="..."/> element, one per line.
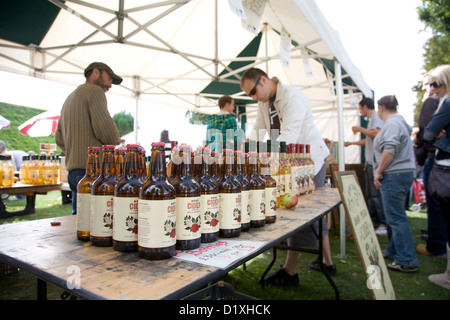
<point x="219" y="254"/>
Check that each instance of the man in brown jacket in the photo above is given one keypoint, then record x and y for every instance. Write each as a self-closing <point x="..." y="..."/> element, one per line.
<point x="85" y="121"/>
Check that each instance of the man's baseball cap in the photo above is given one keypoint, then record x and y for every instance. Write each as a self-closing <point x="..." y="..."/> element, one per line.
<point x="106" y="68"/>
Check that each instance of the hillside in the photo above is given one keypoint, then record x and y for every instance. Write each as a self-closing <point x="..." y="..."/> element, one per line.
<point x="13" y="139"/>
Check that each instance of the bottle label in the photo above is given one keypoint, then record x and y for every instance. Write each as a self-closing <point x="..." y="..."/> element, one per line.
<point x="209" y="213"/>
<point x="125" y="223"/>
<point x="101" y="216"/>
<point x="281" y="185"/>
<point x="296" y="180"/>
<point x="245" y="205"/>
<point x="271" y="201"/>
<point x="157" y="223"/>
<point x="257" y="204"/>
<point x="230" y="206"/>
<point x="287" y="183"/>
<point x="83" y="211"/>
<point x="188" y="218"/>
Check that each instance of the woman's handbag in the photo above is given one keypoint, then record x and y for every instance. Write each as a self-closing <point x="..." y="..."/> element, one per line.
<point x="439" y="182"/>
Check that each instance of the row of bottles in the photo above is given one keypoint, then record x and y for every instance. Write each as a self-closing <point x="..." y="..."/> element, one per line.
<point x="195" y="204"/>
<point x="40" y="169"/>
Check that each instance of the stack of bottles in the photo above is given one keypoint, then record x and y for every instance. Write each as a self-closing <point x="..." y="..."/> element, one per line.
<point x="137" y="203"/>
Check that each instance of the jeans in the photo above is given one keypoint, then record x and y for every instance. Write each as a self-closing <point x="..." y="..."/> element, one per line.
<point x="394" y="190"/>
<point x="437" y="235"/>
<point x="374" y="202"/>
<point x="73" y="178"/>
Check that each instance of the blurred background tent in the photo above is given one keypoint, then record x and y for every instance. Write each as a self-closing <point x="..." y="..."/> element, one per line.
<point x="189" y="53"/>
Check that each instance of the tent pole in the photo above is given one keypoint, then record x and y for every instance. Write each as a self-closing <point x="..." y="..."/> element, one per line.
<point x="340" y="98"/>
<point x="137" y="93"/>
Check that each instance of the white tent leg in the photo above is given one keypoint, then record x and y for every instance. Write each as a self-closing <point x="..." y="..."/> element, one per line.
<point x="340" y="100"/>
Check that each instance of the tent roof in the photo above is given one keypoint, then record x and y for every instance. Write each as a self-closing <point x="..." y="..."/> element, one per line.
<point x="171" y="47"/>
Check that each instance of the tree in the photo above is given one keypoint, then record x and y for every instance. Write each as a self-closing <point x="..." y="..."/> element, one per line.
<point x="435" y="14"/>
<point x="124" y="122"/>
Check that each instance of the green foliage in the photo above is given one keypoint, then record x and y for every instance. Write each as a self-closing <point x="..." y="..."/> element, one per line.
<point x="435" y="14"/>
<point x="124" y="122"/>
<point x="13" y="139"/>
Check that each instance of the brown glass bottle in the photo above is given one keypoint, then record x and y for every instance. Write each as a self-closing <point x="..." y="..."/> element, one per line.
<point x="120" y="163"/>
<point x="157" y="210"/>
<point x="102" y="192"/>
<point x="84" y="193"/>
<point x="209" y="201"/>
<point x="257" y="192"/>
<point x="230" y="206"/>
<point x="239" y="167"/>
<point x="188" y="204"/>
<point x="270" y="191"/>
<point x="126" y="197"/>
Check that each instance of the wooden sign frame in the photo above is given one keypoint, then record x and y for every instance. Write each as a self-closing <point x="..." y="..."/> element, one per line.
<point x="369" y="251"/>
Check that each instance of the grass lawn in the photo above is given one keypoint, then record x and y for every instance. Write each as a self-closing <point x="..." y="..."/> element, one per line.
<point x="350" y="279"/>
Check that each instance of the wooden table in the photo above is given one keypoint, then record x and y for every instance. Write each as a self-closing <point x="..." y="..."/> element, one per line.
<point x="30" y="191"/>
<point x="53" y="254"/>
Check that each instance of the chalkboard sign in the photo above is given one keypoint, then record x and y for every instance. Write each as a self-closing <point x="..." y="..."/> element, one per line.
<point x="370" y="254"/>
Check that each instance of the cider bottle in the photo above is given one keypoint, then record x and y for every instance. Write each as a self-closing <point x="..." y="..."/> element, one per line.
<point x="84" y="193"/>
<point x="275" y="166"/>
<point x="119" y="159"/>
<point x="312" y="175"/>
<point x="209" y="201"/>
<point x="285" y="175"/>
<point x="157" y="210"/>
<point x="270" y="191"/>
<point x="230" y="205"/>
<point x="257" y="192"/>
<point x="300" y="150"/>
<point x="40" y="178"/>
<point x="295" y="168"/>
<point x="188" y="204"/>
<point x="126" y="197"/>
<point x="102" y="191"/>
<point x="241" y="176"/>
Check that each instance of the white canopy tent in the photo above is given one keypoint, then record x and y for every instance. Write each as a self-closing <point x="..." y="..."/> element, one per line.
<point x="169" y="51"/>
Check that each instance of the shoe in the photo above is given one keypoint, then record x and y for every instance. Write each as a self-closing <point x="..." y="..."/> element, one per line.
<point x="381" y="230"/>
<point x="331" y="270"/>
<point x="280" y="278"/>
<point x="422" y="249"/>
<point x="398" y="267"/>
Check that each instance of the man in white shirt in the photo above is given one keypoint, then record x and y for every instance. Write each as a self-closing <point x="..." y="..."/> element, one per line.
<point x="286" y="114"/>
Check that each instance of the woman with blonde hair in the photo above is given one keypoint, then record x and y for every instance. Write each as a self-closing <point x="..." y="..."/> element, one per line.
<point x="438" y="132"/>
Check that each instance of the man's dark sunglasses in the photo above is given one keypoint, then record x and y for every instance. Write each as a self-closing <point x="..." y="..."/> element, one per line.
<point x="435" y="84"/>
<point x="253" y="91"/>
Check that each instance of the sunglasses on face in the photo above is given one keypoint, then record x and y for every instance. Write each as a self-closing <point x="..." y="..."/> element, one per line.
<point x="253" y="91"/>
<point x="435" y="84"/>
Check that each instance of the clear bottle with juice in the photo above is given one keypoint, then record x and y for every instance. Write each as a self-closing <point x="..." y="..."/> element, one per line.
<point x="257" y="193"/>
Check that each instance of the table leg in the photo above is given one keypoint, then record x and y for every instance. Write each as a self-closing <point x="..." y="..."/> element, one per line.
<point x="41" y="289"/>
<point x="29" y="208"/>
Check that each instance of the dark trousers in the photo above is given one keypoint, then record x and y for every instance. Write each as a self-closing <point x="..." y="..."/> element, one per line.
<point x="437" y="232"/>
<point x="73" y="178"/>
<point x="374" y="202"/>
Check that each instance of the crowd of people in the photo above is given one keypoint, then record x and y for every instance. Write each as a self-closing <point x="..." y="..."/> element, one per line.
<point x="285" y="113"/>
